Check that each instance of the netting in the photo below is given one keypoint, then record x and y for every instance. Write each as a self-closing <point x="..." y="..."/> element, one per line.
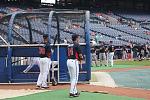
<point x="4" y="31"/>
<point x="68" y="24"/>
<point x="29" y="28"/>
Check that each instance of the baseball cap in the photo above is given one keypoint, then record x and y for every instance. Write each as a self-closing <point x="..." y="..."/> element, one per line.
<point x="74" y="36"/>
<point x="45" y="35"/>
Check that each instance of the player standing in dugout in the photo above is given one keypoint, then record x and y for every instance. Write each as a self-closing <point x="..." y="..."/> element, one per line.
<point x="74" y="56"/>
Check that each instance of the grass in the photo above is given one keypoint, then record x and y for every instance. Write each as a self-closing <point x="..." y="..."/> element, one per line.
<point x="137" y="63"/>
<point x="124" y="64"/>
<point x="63" y="95"/>
<point x="115" y="66"/>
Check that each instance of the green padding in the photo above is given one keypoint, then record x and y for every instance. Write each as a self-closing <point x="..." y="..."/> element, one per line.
<point x="63" y="95"/>
<point x="132" y="78"/>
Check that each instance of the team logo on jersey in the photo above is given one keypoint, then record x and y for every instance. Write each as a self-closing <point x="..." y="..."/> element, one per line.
<point x="70" y="50"/>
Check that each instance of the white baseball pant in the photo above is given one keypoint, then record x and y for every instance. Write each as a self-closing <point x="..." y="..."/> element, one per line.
<point x="44" y="65"/>
<point x="124" y="56"/>
<point x="102" y="57"/>
<point x="110" y="58"/>
<point x="73" y="68"/>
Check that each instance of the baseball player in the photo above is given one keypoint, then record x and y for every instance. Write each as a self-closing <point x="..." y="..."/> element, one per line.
<point x="102" y="54"/>
<point x="33" y="61"/>
<point x="124" y="52"/>
<point x="74" y="56"/>
<point x="93" y="53"/>
<point x="110" y="55"/>
<point x="44" y="63"/>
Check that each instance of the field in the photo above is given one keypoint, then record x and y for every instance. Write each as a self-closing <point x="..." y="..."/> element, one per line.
<point x="124" y="64"/>
<point x="118" y="71"/>
<point x="63" y="95"/>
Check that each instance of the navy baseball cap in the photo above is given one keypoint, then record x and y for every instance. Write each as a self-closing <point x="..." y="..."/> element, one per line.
<point x="74" y="36"/>
<point x="45" y="35"/>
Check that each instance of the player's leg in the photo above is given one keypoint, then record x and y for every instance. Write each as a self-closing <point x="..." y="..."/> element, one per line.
<point x="92" y="59"/>
<point x="131" y="55"/>
<point x="126" y="57"/>
<point x="46" y="67"/>
<point x="77" y="75"/>
<point x="111" y="58"/>
<point x="108" y="58"/>
<point x="100" y="59"/>
<point x="72" y="67"/>
<point x="123" y="55"/>
<point x="104" y="59"/>
<point x="95" y="59"/>
<point x="40" y="77"/>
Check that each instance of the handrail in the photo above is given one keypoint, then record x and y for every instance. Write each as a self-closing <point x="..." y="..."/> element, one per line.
<point x="37" y="45"/>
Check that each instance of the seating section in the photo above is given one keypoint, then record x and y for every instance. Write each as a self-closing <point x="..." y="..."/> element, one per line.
<point x="138" y="32"/>
<point x="138" y="17"/>
<point x="9" y="10"/>
<point x="120" y="34"/>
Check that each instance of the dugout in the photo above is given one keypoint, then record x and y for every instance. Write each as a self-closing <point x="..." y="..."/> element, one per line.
<point x="23" y="34"/>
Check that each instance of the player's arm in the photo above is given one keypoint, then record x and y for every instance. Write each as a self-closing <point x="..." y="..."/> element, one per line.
<point x="80" y="56"/>
<point x="114" y="49"/>
<point x="78" y="48"/>
<point x="49" y="51"/>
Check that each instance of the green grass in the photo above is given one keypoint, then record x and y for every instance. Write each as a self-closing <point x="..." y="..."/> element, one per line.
<point x="137" y="63"/>
<point x="63" y="95"/>
<point x="124" y="64"/>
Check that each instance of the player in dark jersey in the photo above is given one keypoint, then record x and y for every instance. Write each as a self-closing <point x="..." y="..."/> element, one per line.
<point x="44" y="63"/>
<point x="93" y="54"/>
<point x="74" y="56"/>
<point x="124" y="52"/>
<point x="102" y="54"/>
<point x="111" y="50"/>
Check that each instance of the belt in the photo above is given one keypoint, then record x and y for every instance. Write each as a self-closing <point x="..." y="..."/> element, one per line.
<point x="72" y="59"/>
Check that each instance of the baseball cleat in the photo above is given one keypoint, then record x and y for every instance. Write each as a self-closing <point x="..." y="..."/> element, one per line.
<point x="38" y="87"/>
<point x="77" y="93"/>
<point x="45" y="87"/>
<point x="74" y="95"/>
<point x="54" y="82"/>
